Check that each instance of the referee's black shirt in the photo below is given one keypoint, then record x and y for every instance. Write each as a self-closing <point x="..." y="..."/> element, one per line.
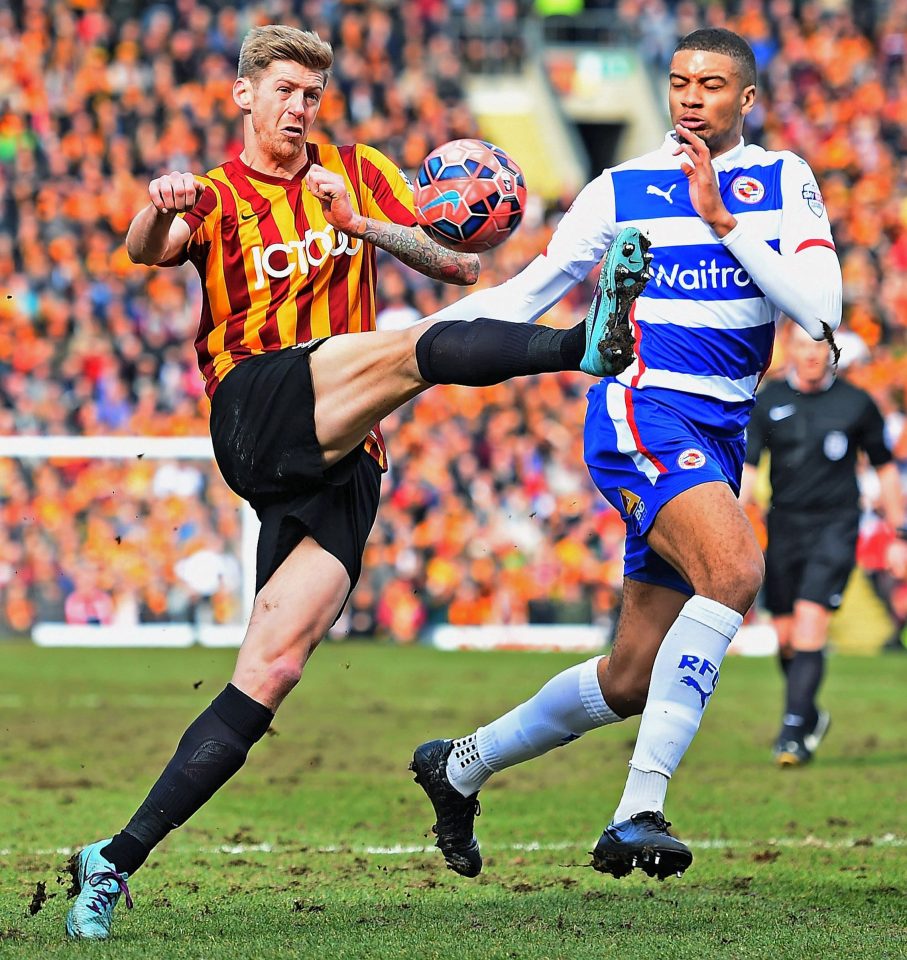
<point x="813" y="440"/>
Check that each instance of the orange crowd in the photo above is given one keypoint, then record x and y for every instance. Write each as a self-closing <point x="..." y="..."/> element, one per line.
<point x="488" y="513"/>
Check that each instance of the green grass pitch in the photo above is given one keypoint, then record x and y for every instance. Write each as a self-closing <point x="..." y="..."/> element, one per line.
<point x="317" y="848"/>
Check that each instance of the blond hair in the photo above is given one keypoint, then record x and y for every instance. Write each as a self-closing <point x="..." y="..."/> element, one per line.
<point x="262" y="46"/>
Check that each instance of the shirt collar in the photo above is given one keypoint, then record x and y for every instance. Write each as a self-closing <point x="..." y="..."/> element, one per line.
<point x="826" y="384"/>
<point x="725" y="162"/>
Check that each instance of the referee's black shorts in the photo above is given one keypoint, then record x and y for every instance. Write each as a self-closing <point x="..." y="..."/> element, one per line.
<point x="810" y="556"/>
<point x="263" y="431"/>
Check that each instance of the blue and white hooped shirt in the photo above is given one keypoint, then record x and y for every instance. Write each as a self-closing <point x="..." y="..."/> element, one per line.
<point x="704" y="329"/>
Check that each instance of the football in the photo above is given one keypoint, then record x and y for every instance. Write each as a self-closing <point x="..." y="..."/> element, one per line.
<point x="469" y="195"/>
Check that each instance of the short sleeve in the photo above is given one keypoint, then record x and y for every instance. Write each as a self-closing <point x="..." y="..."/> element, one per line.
<point x="585" y="230"/>
<point x="203" y="217"/>
<point x="756" y="433"/>
<point x="872" y="435"/>
<point x="804" y="219"/>
<point x="387" y="193"/>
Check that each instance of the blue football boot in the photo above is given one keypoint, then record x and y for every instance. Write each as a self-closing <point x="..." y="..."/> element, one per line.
<point x="454" y="813"/>
<point x="97" y="886"/>
<point x="642" y="841"/>
<point x="624" y="274"/>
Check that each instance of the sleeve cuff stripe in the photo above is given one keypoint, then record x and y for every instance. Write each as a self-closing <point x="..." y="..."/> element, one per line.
<point x="815" y="243"/>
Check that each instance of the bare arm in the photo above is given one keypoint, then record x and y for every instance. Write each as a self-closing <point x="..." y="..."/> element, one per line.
<point x="156" y="233"/>
<point x="748" y="485"/>
<point x="891" y="499"/>
<point x="154" y="237"/>
<point x="891" y="496"/>
<point x="410" y="245"/>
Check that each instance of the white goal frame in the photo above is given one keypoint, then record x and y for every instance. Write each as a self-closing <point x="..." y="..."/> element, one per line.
<point x="127" y="448"/>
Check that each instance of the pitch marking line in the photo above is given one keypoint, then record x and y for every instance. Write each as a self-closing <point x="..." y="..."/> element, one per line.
<point x="886" y="840"/>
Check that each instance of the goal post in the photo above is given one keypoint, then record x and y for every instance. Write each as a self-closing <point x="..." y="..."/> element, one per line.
<point x="30" y="452"/>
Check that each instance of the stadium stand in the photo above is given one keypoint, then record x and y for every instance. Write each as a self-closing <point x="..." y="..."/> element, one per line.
<point x="488" y="515"/>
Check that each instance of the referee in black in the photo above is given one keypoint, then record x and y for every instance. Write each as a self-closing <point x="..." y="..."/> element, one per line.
<point x="813" y="426"/>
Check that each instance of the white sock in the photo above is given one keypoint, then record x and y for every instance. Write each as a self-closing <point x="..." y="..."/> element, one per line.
<point x="568" y="706"/>
<point x="684" y="677"/>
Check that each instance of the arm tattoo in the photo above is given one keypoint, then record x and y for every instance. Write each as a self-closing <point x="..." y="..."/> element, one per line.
<point x="410" y="245"/>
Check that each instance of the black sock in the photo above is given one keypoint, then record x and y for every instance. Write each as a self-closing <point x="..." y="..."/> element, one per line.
<point x="804" y="677"/>
<point x="211" y="750"/>
<point x="482" y="352"/>
<point x="784" y="662"/>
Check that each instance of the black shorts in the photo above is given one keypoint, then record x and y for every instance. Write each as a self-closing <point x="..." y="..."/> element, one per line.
<point x="809" y="557"/>
<point x="263" y="431"/>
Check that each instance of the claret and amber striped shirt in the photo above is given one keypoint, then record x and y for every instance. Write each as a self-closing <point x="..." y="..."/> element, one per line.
<point x="274" y="272"/>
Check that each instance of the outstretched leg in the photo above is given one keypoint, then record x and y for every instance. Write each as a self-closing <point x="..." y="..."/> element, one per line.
<point x="360" y="378"/>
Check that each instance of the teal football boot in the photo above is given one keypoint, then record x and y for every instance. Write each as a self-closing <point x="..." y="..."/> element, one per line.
<point x="97" y="886"/>
<point x="624" y="274"/>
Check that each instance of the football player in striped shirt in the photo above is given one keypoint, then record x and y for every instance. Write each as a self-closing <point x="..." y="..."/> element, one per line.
<point x="738" y="235"/>
<point x="284" y="239"/>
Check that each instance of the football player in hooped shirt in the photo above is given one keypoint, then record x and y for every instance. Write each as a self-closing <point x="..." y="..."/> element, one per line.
<point x="284" y="240"/>
<point x="738" y="234"/>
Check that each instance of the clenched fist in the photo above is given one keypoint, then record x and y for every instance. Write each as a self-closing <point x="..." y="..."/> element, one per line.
<point x="175" y="192"/>
<point x="330" y="188"/>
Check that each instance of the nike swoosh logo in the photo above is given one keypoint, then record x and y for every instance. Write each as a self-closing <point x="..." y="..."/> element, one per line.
<point x="449" y="196"/>
<point x="247" y="216"/>
<point x="782" y="412"/>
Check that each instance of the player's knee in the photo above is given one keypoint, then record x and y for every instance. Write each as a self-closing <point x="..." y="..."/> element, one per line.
<point x="736" y="582"/>
<point x="626" y="694"/>
<point x="751" y="573"/>
<point x="283" y="670"/>
<point x="283" y="673"/>
<point x="283" y="646"/>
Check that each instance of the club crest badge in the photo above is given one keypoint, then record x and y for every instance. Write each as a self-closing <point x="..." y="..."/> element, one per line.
<point x="748" y="189"/>
<point x="835" y="445"/>
<point x="691" y="459"/>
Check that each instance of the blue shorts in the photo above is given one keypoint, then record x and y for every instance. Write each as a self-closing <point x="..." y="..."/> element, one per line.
<point x="641" y="453"/>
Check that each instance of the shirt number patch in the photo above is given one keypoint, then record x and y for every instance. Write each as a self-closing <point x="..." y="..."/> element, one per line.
<point x="813" y="198"/>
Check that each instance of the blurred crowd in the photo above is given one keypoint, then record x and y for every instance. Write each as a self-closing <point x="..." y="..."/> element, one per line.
<point x="488" y="514"/>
